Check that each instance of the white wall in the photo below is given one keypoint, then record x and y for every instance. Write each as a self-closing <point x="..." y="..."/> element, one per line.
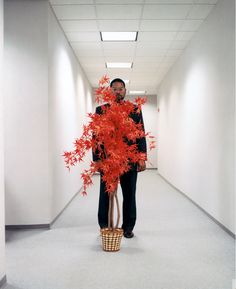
<point x="70" y="97"/>
<point x="2" y="201"/>
<point x="46" y="99"/>
<point x="26" y="113"/>
<point x="196" y="118"/>
<point x="149" y="111"/>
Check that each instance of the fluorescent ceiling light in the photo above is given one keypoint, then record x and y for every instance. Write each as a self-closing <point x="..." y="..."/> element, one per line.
<point x="137" y="91"/>
<point x="119" y="36"/>
<point x="119" y="64"/>
<point x="126" y="81"/>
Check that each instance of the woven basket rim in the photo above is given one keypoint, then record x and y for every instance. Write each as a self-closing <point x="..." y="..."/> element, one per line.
<point x="111" y="231"/>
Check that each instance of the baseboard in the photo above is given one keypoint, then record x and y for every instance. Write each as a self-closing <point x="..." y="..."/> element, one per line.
<point x="32" y="226"/>
<point x="41" y="226"/>
<point x="3" y="281"/>
<point x="205" y="212"/>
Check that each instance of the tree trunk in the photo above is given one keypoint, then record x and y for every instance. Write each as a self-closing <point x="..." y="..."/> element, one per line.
<point x="111" y="211"/>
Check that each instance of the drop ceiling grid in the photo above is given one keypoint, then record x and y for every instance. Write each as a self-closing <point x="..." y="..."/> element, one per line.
<point x="165" y="28"/>
<point x="177" y="37"/>
<point x="132" y="77"/>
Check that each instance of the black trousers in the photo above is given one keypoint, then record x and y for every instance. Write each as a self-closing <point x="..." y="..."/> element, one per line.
<point x="128" y="184"/>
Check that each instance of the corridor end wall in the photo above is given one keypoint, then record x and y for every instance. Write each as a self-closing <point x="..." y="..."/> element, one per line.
<point x="149" y="111"/>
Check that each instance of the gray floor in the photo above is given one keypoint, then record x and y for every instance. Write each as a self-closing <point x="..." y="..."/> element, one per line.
<point x="7" y="286"/>
<point x="176" y="246"/>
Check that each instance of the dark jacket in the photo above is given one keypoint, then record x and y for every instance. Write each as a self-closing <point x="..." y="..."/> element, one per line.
<point x="141" y="142"/>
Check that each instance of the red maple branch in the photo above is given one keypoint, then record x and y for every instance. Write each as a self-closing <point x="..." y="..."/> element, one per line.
<point x="108" y="134"/>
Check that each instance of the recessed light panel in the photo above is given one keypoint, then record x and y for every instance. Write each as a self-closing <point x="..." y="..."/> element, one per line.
<point x="119" y="64"/>
<point x="119" y="36"/>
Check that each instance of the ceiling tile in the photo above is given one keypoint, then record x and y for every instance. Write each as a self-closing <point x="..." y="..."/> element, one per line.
<point x="117" y="25"/>
<point x="178" y="44"/>
<point x="150" y="51"/>
<point x="95" y="70"/>
<point x="156" y="45"/>
<point x="160" y="25"/>
<point x="118" y="52"/>
<point x="123" y="58"/>
<point x="184" y="35"/>
<point x="165" y="11"/>
<point x="200" y="11"/>
<point x="86" y="45"/>
<point x="83" y="36"/>
<point x="169" y="58"/>
<point x="118" y="45"/>
<point x="143" y="72"/>
<point x="148" y="59"/>
<point x="161" y="72"/>
<point x="74" y="12"/>
<point x="191" y="25"/>
<point x="79" y="25"/>
<point x="90" y="66"/>
<point x="116" y="72"/>
<point x="170" y="1"/>
<point x="119" y="11"/>
<point x="164" y="65"/>
<point x="156" y="36"/>
<point x="174" y="52"/>
<point x="146" y="64"/>
<point x="206" y="1"/>
<point x="119" y="1"/>
<point x="66" y="2"/>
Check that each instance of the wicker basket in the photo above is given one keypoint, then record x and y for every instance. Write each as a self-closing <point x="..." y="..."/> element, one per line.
<point x="111" y="239"/>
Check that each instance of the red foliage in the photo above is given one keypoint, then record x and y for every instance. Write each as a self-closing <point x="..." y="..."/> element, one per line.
<point x="109" y="130"/>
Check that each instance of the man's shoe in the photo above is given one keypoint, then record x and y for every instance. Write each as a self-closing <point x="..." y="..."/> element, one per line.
<point x="128" y="234"/>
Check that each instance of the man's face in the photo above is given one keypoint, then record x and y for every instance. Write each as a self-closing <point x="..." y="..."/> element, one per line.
<point x="119" y="90"/>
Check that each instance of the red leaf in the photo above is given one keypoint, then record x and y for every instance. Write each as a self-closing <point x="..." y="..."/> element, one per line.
<point x="106" y="134"/>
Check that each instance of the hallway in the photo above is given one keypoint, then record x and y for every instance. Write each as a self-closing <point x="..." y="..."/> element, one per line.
<point x="180" y="56"/>
<point x="176" y="246"/>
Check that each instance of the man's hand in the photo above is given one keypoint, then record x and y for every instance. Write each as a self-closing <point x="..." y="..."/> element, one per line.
<point x="141" y="166"/>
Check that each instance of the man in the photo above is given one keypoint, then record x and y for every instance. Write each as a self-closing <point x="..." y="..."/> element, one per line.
<point x="127" y="180"/>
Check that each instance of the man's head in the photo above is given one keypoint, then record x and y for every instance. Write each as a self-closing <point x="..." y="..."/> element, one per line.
<point x="118" y="87"/>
